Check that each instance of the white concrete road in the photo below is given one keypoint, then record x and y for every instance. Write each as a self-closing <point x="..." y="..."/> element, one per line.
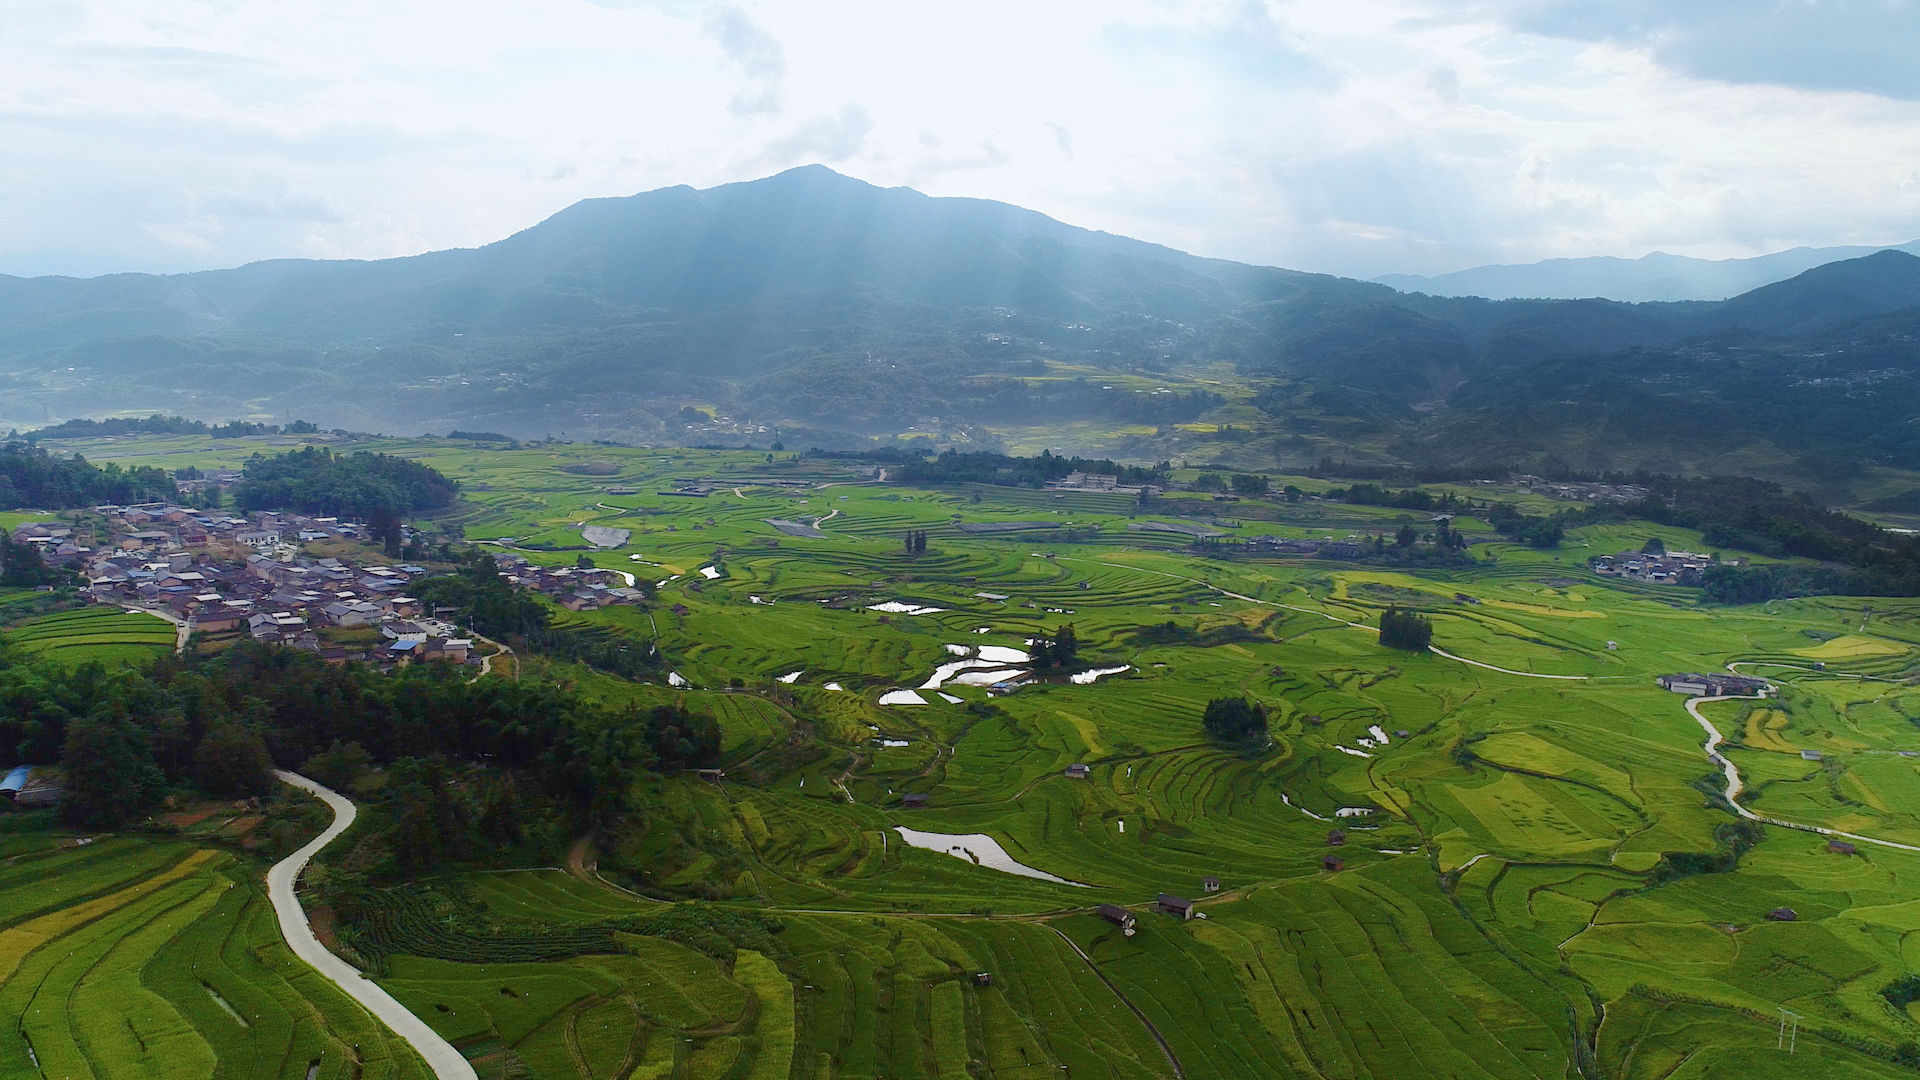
<point x="441" y="1057"/>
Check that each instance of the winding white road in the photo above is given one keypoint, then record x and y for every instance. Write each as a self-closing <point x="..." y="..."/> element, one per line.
<point x="1735" y="785"/>
<point x="441" y="1057"/>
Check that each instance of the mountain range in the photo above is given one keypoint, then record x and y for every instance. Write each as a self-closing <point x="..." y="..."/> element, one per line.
<point x="1659" y="276"/>
<point x="822" y="306"/>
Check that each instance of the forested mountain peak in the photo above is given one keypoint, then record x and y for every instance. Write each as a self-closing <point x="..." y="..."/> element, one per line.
<point x="813" y="301"/>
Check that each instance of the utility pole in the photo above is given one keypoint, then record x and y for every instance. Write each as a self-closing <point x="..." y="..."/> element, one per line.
<point x="1787" y="1040"/>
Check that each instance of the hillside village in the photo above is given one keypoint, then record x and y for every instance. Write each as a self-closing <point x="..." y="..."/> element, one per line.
<point x="261" y="575"/>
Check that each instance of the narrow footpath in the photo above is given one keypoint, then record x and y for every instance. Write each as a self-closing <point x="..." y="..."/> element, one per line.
<point x="1172" y="1058"/>
<point x="441" y="1057"/>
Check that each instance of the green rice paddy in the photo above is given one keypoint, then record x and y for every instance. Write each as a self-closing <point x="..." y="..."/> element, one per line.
<point x="107" y="636"/>
<point x="1513" y="896"/>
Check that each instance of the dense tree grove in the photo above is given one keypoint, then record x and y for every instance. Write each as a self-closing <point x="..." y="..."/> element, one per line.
<point x="30" y="476"/>
<point x="1407" y="499"/>
<point x="1402" y="629"/>
<point x="315" y="480"/>
<point x="158" y="424"/>
<point x="953" y="467"/>
<point x="21" y="567"/>
<point x="126" y="738"/>
<point x="1061" y="650"/>
<point x="1235" y="720"/>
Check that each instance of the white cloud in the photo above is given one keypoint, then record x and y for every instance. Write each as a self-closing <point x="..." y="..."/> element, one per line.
<point x="1354" y="136"/>
<point x="758" y="54"/>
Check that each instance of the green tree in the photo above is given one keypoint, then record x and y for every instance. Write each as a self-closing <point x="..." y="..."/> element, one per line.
<point x="1406" y="536"/>
<point x="111" y="777"/>
<point x="232" y="761"/>
<point x="339" y="766"/>
<point x="1235" y="720"/>
<point x="1409" y="630"/>
<point x="1654" y="546"/>
<point x="1249" y="485"/>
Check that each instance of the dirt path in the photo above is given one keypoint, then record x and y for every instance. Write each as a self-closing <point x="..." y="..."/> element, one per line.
<point x="182" y="628"/>
<point x="446" y="1062"/>
<point x="577" y="857"/>
<point x="486" y="662"/>
<point x="1172" y="1058"/>
<point x="1735" y="786"/>
<point x="582" y="864"/>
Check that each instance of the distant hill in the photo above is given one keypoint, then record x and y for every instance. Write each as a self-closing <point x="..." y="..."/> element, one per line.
<point x="831" y="310"/>
<point x="1655" y="277"/>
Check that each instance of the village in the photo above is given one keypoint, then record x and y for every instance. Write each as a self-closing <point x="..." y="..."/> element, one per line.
<point x="259" y="576"/>
<point x="1657" y="568"/>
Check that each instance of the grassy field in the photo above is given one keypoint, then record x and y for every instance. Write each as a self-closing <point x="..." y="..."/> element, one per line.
<point x="1518" y="892"/>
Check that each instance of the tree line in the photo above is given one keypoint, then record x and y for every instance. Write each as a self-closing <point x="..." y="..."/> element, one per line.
<point x="32" y="477"/>
<point x="954" y="467"/>
<point x="158" y="424"/>
<point x="462" y="760"/>
<point x="315" y="480"/>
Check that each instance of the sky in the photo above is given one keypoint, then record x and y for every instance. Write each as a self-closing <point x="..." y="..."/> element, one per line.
<point x="1357" y="137"/>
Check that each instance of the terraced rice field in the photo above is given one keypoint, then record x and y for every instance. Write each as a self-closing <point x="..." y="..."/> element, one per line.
<point x="134" y="958"/>
<point x="107" y="636"/>
<point x="1533" y="876"/>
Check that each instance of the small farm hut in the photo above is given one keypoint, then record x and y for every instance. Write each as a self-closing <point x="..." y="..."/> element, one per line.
<point x="1174" y="905"/>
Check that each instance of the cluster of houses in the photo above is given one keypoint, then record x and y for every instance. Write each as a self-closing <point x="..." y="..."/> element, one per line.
<point x="573" y="588"/>
<point x="168" y="528"/>
<point x="1182" y="908"/>
<point x="1672" y="568"/>
<point x="1079" y="481"/>
<point x="1695" y="684"/>
<point x="1299" y="545"/>
<point x="217" y="573"/>
<point x="1580" y="492"/>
